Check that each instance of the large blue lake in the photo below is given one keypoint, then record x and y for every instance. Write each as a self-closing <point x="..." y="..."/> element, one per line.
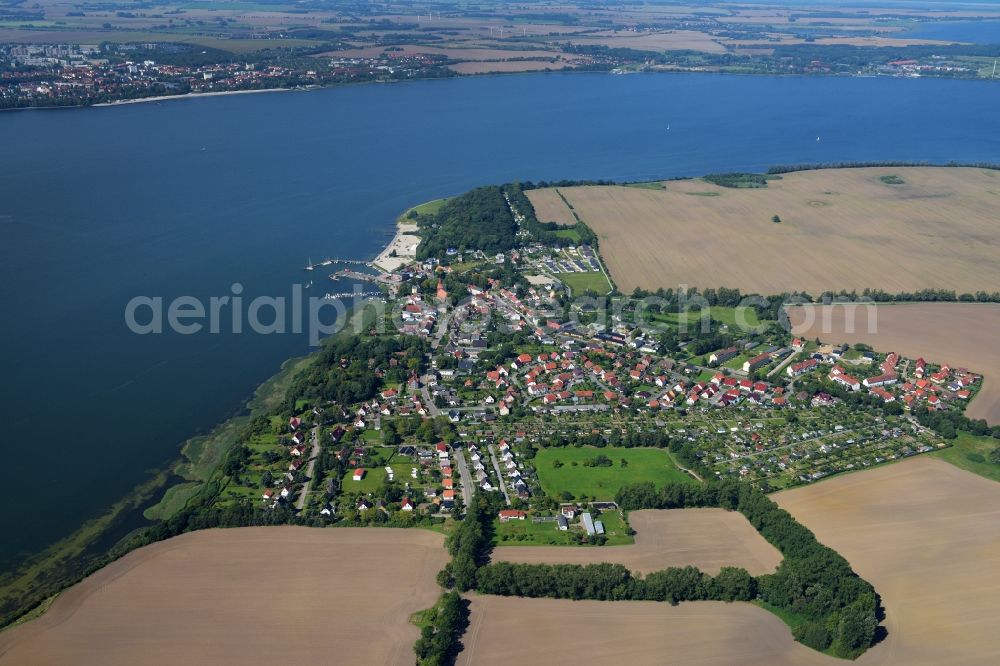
<point x="188" y="197"/>
<point x="976" y="32"/>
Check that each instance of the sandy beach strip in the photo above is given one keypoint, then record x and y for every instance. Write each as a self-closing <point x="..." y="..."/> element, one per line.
<point x="404" y="244"/>
<point x="163" y="98"/>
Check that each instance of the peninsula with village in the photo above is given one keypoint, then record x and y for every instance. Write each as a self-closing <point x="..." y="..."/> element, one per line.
<point x="560" y="407"/>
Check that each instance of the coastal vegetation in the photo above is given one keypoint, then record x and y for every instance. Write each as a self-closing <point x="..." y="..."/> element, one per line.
<point x="737" y="180"/>
<point x="484" y="221"/>
<point x="477" y="220"/>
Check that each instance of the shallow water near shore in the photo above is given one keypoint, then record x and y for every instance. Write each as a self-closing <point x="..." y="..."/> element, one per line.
<point x="190" y="196"/>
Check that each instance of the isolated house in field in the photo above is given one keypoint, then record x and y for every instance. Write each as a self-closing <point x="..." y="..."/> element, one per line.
<point x="507" y="515"/>
<point x="359" y="474"/>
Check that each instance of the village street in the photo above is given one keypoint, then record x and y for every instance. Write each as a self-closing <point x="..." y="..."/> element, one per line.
<point x="313" y="455"/>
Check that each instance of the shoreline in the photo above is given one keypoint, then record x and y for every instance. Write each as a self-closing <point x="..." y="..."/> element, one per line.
<point x="164" y="98"/>
<point x="457" y="75"/>
<point x="66" y="562"/>
<point x="404" y="244"/>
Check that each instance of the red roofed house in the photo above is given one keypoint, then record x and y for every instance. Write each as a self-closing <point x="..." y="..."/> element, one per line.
<point x="359" y="474"/>
<point x="506" y="515"/>
<point x="756" y="362"/>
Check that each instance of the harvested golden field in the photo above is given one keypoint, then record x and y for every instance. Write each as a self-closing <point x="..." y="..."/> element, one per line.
<point x="669" y="40"/>
<point x="549" y="206"/>
<point x="457" y="52"/>
<point x="927" y="536"/>
<point x="485" y="67"/>
<point x="706" y="538"/>
<point x="959" y="334"/>
<point x="840" y="229"/>
<point x="514" y="630"/>
<point x="250" y="595"/>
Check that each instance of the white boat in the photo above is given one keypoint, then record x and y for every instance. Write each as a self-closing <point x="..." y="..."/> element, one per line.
<point x="310" y="265"/>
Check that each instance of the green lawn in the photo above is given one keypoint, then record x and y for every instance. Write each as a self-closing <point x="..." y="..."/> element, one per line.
<point x="427" y="208"/>
<point x="589" y="281"/>
<point x="736" y="363"/>
<point x="963" y="446"/>
<point x="747" y="315"/>
<point x="723" y="315"/>
<point x="602" y="482"/>
<point x="570" y="233"/>
<point x="375" y="476"/>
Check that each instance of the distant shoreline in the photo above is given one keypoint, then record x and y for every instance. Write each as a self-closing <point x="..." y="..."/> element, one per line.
<point x="161" y="98"/>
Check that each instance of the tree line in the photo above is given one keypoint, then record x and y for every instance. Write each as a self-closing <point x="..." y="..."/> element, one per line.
<point x="344" y="368"/>
<point x="833" y="609"/>
<point x="838" y="610"/>
<point x="469" y="545"/>
<point x="614" y="582"/>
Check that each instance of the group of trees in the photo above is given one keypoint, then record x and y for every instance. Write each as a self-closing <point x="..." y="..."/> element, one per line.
<point x="838" y="609"/>
<point x="470" y="543"/>
<point x="547" y="233"/>
<point x="921" y="295"/>
<point x="948" y="423"/>
<point x="737" y="180"/>
<point x="776" y="170"/>
<point x="832" y="607"/>
<point x="614" y="582"/>
<point x="440" y="637"/>
<point x="480" y="219"/>
<point x="344" y="369"/>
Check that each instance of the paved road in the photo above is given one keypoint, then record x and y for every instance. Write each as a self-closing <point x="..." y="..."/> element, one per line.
<point x="301" y="502"/>
<point x="496" y="466"/>
<point x="781" y="365"/>
<point x="463" y="472"/>
<point x="442" y="328"/>
<point x="432" y="409"/>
